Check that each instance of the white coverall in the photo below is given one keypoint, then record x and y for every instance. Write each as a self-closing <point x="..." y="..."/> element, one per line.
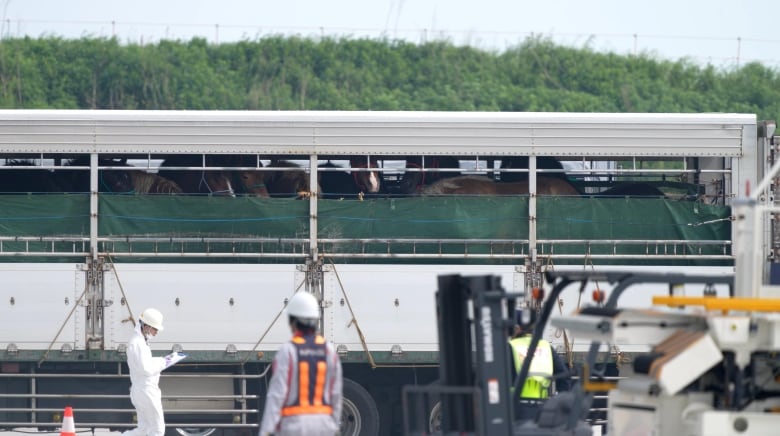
<point x="144" y="390"/>
<point x="285" y="361"/>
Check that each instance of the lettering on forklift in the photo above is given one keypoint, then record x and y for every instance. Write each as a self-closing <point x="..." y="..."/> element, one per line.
<point x="487" y="336"/>
<point x="494" y="394"/>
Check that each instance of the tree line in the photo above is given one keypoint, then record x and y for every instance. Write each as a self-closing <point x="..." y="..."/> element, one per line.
<point x="292" y="73"/>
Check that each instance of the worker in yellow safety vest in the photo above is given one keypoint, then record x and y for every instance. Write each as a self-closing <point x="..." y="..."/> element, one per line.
<point x="537" y="384"/>
<point x="546" y="364"/>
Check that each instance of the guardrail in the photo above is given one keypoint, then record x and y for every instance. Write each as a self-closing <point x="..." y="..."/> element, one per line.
<point x="103" y="407"/>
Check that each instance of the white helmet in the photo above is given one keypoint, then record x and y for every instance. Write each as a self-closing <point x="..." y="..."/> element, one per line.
<point x="152" y="318"/>
<point x="304" y="307"/>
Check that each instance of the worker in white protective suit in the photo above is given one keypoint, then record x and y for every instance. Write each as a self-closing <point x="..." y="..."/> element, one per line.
<point x="145" y="375"/>
<point x="304" y="395"/>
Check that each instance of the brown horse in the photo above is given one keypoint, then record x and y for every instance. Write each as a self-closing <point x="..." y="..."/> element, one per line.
<point x="366" y="180"/>
<point x="480" y="185"/>
<point x="355" y="184"/>
<point x="148" y="183"/>
<point x="293" y="182"/>
<point x="250" y="180"/>
<point x="195" y="180"/>
<point x="425" y="171"/>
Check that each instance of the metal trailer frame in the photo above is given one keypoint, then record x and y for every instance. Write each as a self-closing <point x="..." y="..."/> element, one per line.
<point x="738" y="140"/>
<point x="307" y="135"/>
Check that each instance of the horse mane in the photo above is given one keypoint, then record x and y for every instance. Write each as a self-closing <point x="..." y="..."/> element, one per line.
<point x="145" y="183"/>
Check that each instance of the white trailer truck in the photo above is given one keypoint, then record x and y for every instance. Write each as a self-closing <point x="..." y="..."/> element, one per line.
<point x="77" y="267"/>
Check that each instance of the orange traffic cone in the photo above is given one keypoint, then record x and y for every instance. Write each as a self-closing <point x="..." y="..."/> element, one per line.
<point x="68" y="426"/>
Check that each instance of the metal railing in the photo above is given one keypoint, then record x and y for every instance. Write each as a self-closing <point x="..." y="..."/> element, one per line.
<point x="213" y="410"/>
<point x="367" y="248"/>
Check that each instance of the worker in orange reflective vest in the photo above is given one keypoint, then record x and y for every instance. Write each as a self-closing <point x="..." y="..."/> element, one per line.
<point x="304" y="396"/>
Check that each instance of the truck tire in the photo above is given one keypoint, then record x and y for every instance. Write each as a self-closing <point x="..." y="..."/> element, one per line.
<point x="189" y="431"/>
<point x="434" y="419"/>
<point x="359" y="414"/>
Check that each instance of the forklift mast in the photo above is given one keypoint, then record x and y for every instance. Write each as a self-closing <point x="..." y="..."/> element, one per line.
<point x="487" y="368"/>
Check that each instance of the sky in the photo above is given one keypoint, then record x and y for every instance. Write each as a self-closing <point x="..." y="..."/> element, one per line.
<point x="724" y="33"/>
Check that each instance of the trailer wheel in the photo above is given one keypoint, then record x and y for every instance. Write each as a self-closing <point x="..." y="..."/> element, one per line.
<point x="434" y="418"/>
<point x="359" y="415"/>
<point x="189" y="431"/>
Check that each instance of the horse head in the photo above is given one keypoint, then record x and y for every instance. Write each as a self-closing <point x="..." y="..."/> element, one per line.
<point x="218" y="183"/>
<point x="250" y="181"/>
<point x="293" y="181"/>
<point x="367" y="181"/>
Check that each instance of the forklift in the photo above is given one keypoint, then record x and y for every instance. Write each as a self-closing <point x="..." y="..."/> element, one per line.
<point x="475" y="316"/>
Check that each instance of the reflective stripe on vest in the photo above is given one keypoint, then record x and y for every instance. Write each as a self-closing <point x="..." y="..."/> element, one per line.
<point x="541" y="370"/>
<point x="312" y="374"/>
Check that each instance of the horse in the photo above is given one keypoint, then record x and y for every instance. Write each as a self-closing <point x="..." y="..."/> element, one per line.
<point x="198" y="181"/>
<point x="632" y="189"/>
<point x="481" y="185"/>
<point x="30" y="180"/>
<point x="109" y="181"/>
<point x="294" y="182"/>
<point x="67" y="180"/>
<point x="249" y="182"/>
<point x="345" y="184"/>
<point x="148" y="183"/>
<point x="521" y="162"/>
<point x="413" y="181"/>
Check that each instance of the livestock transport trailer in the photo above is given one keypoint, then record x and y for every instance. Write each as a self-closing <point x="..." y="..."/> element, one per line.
<point x="79" y="263"/>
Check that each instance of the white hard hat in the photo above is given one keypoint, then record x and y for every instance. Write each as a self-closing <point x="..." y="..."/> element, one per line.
<point x="152" y="318"/>
<point x="304" y="307"/>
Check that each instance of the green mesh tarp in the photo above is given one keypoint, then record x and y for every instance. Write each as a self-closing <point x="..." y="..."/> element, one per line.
<point x="617" y="218"/>
<point x="476" y="225"/>
<point x="464" y="219"/>
<point x="44" y="215"/>
<point x="35" y="216"/>
<point x="182" y="216"/>
<point x="195" y="217"/>
<point x="431" y="217"/>
<point x="650" y="221"/>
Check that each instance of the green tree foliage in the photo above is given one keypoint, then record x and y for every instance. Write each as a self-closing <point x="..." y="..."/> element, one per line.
<point x="283" y="73"/>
